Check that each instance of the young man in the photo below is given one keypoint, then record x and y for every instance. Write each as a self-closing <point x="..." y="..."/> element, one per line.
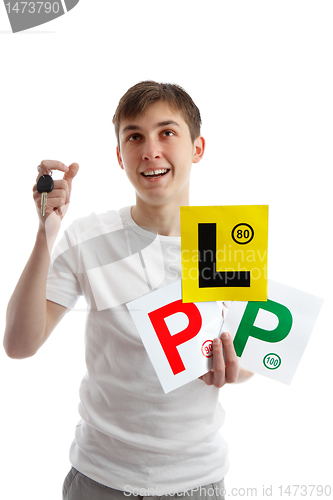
<point x="132" y="437"/>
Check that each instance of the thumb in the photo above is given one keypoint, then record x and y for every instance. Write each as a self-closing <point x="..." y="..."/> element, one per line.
<point x="70" y="174"/>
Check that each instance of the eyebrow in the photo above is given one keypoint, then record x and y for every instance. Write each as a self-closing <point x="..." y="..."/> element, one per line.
<point x="165" y="123"/>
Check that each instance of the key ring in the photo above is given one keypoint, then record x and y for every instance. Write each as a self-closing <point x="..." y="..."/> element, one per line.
<point x="38" y="168"/>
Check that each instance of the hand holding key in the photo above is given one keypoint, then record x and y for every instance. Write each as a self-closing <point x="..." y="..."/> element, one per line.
<point x="53" y="199"/>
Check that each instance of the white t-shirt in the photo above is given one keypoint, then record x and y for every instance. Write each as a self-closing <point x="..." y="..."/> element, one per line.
<point x="132" y="436"/>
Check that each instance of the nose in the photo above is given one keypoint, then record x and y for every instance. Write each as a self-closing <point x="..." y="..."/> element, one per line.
<point x="151" y="150"/>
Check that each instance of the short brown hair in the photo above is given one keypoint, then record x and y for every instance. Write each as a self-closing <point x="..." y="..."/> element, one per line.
<point x="142" y="95"/>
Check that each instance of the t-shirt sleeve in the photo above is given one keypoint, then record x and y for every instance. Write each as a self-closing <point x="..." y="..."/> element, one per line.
<point x="63" y="286"/>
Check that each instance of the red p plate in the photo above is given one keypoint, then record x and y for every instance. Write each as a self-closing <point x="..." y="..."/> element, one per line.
<point x="170" y="342"/>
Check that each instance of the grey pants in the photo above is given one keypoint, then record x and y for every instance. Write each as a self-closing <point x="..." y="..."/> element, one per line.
<point x="79" y="487"/>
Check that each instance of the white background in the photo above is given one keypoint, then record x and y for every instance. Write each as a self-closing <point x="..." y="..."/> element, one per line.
<point x="261" y="74"/>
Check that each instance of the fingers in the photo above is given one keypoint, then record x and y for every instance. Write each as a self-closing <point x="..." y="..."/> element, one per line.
<point x="231" y="360"/>
<point x="218" y="373"/>
<point x="225" y="367"/>
<point x="70" y="174"/>
<point x="46" y="167"/>
<point x="58" y="197"/>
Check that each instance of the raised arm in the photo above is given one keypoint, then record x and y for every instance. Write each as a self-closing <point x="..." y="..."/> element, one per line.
<point x="30" y="317"/>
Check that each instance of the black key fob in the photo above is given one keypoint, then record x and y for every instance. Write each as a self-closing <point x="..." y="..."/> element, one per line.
<point x="45" y="184"/>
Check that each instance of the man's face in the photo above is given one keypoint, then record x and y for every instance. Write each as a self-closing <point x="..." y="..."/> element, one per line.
<point x="156" y="152"/>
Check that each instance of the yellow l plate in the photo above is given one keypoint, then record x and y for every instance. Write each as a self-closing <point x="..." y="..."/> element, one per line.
<point x="224" y="253"/>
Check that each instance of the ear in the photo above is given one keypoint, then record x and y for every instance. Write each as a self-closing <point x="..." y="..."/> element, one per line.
<point x="120" y="161"/>
<point x="199" y="149"/>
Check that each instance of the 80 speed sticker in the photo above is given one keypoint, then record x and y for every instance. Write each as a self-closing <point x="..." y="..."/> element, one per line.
<point x="242" y="233"/>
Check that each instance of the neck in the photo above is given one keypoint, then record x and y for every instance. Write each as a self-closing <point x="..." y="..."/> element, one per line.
<point x="164" y="219"/>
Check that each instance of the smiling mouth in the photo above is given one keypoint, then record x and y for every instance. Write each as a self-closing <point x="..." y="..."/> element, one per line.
<point x="155" y="173"/>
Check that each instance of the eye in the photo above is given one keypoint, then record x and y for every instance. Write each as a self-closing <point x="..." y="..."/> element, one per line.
<point x="168" y="133"/>
<point x="133" y="137"/>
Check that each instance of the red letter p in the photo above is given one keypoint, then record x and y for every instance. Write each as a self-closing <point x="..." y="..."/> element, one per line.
<point x="170" y="342"/>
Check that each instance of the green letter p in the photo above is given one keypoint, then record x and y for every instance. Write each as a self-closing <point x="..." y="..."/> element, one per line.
<point x="247" y="329"/>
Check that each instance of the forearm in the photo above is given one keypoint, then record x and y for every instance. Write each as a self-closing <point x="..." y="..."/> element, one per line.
<point x="243" y="376"/>
<point x="26" y="311"/>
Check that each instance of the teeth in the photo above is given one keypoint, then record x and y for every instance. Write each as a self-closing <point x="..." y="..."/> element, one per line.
<point x="155" y="172"/>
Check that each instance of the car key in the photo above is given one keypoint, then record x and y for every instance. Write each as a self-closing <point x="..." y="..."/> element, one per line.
<point x="44" y="185"/>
